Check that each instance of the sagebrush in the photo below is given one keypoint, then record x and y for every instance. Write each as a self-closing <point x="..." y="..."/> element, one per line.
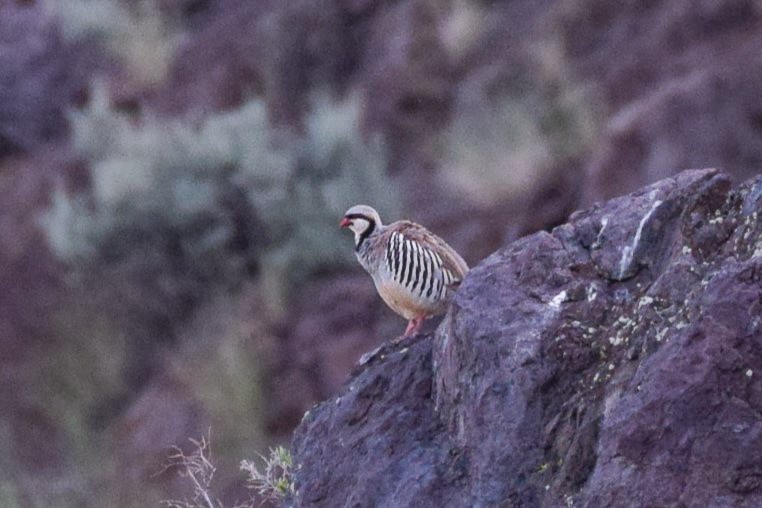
<point x="224" y="197"/>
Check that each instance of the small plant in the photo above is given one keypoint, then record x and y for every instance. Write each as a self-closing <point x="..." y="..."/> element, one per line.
<point x="275" y="483"/>
<point x="198" y="468"/>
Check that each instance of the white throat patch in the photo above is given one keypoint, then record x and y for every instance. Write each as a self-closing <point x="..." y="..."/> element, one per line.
<point x="359" y="226"/>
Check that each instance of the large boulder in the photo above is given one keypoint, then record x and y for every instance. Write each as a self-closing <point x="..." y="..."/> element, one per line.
<point x="613" y="362"/>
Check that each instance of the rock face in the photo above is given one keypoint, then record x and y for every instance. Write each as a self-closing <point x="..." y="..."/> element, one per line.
<point x="613" y="362"/>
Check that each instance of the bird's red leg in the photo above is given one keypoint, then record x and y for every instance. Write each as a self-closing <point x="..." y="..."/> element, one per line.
<point x="413" y="326"/>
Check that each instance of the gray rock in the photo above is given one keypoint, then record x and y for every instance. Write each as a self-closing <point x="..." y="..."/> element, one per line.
<point x="613" y="362"/>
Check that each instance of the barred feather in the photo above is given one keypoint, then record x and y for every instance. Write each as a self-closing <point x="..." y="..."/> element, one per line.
<point x="417" y="267"/>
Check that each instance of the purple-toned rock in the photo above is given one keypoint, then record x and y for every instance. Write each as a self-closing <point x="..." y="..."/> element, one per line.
<point x="41" y="77"/>
<point x="613" y="362"/>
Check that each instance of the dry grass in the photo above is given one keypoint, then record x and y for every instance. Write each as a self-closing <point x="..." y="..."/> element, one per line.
<point x="274" y="483"/>
<point x="197" y="467"/>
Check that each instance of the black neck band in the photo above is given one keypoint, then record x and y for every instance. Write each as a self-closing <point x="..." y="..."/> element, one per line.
<point x="365" y="234"/>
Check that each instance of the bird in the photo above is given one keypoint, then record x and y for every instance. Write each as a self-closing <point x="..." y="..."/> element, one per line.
<point x="415" y="272"/>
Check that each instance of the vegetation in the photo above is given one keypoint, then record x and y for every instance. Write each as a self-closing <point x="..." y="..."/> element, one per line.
<point x="223" y="198"/>
<point x="183" y="245"/>
<point x="197" y="467"/>
<point x="182" y="220"/>
<point x="273" y="483"/>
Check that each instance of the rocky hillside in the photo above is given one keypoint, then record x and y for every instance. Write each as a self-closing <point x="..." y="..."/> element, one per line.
<point x="615" y="361"/>
<point x="172" y="173"/>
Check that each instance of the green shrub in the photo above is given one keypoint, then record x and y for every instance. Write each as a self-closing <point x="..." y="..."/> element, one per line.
<point x="179" y="214"/>
<point x="334" y="169"/>
<point x="202" y="205"/>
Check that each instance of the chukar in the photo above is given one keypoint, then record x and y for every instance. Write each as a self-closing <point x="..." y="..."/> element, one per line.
<point x="414" y="271"/>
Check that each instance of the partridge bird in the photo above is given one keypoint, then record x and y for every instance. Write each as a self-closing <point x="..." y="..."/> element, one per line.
<point x="414" y="271"/>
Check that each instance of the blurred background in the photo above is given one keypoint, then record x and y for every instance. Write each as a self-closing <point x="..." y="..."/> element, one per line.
<point x="172" y="173"/>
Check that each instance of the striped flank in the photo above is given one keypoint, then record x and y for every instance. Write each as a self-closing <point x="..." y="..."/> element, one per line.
<point x="417" y="268"/>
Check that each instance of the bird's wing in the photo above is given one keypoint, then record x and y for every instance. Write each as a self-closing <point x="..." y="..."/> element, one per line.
<point x="451" y="260"/>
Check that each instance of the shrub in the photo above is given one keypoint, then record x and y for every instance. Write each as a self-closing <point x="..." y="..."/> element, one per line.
<point x="202" y="205"/>
<point x="197" y="467"/>
<point x="276" y="481"/>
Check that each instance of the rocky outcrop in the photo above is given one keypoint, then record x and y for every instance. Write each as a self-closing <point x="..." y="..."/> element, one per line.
<point x="621" y="94"/>
<point x="615" y="361"/>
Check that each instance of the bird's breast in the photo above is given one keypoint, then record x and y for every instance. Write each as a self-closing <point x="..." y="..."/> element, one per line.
<point x="404" y="302"/>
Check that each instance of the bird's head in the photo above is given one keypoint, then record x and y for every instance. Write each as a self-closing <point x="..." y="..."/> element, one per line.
<point x="362" y="220"/>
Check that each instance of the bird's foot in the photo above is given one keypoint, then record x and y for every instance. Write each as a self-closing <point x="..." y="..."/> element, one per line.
<point x="413" y="326"/>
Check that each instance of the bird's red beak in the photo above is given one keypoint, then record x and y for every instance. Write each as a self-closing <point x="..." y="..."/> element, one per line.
<point x="344" y="222"/>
